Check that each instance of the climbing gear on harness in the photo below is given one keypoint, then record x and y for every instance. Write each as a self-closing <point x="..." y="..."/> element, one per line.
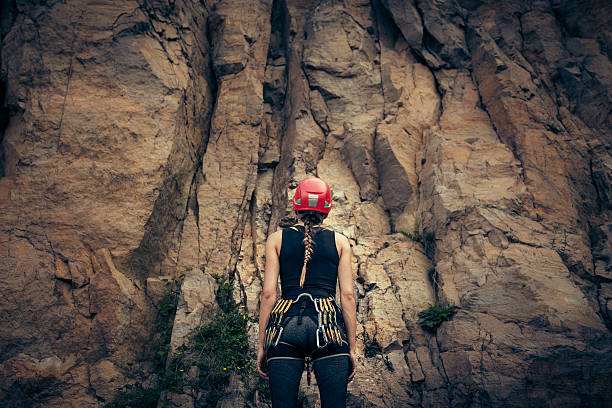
<point x="313" y="193"/>
<point x="271" y="323"/>
<point x="274" y="329"/>
<point x="336" y="328"/>
<point x="320" y="331"/>
<point x="328" y="329"/>
<point x="280" y="331"/>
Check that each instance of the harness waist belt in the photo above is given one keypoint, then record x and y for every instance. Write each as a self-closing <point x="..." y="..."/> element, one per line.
<point x="314" y="292"/>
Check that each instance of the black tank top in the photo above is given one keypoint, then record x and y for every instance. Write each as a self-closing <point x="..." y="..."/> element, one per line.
<point x="321" y="270"/>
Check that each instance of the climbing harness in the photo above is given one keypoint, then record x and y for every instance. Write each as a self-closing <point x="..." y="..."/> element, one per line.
<point x="328" y="330"/>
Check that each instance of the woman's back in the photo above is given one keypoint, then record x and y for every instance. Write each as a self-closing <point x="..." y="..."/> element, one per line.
<point x="321" y="270"/>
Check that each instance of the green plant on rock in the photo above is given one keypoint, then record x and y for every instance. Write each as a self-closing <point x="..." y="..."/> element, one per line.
<point x="416" y="236"/>
<point x="260" y="391"/>
<point x="218" y="349"/>
<point x="166" y="312"/>
<point x="223" y="348"/>
<point x="431" y="318"/>
<point x="413" y="235"/>
<point x="224" y="296"/>
<point x="136" y="394"/>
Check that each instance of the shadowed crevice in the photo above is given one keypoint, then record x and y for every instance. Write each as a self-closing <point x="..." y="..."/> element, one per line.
<point x="184" y="163"/>
<point x="8" y="12"/>
<point x="4" y="120"/>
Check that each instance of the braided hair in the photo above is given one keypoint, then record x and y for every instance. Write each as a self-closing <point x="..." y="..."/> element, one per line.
<point x="310" y="219"/>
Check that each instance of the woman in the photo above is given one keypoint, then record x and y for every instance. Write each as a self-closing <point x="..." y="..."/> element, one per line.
<point x="305" y="326"/>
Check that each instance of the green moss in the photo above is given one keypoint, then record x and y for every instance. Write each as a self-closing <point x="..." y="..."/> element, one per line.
<point x="223" y="345"/>
<point x="413" y="235"/>
<point x="218" y="349"/>
<point x="135" y="394"/>
<point x="431" y="318"/>
<point x="416" y="236"/>
<point x="261" y="391"/>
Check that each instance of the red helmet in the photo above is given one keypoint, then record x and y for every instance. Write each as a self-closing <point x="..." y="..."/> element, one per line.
<point x="312" y="194"/>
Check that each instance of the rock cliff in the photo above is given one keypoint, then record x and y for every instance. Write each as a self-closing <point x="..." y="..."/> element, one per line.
<point x="467" y="143"/>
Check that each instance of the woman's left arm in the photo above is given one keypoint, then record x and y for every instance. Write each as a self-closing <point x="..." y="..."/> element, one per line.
<point x="268" y="292"/>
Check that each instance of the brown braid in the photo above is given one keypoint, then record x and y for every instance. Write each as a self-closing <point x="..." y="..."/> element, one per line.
<point x="310" y="219"/>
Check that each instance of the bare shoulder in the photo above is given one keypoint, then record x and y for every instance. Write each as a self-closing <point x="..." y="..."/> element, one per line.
<point x="276" y="236"/>
<point x="342" y="243"/>
<point x="341" y="238"/>
<point x="274" y="242"/>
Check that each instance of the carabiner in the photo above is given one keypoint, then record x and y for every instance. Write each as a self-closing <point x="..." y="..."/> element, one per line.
<point x="339" y="335"/>
<point x="319" y="339"/>
<point x="278" y="337"/>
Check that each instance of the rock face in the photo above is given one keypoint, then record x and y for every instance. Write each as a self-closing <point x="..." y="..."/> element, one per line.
<point x="143" y="138"/>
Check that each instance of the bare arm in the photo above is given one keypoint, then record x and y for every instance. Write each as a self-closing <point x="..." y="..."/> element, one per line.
<point x="268" y="293"/>
<point x="347" y="289"/>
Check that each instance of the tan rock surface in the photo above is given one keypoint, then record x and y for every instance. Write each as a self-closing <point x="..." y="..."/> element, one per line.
<point x="142" y="140"/>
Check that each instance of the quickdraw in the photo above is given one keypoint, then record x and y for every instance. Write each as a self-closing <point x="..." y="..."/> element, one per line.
<point x="328" y="329"/>
<point x="274" y="329"/>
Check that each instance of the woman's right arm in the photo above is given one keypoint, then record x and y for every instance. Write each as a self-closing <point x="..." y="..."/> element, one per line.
<point x="347" y="295"/>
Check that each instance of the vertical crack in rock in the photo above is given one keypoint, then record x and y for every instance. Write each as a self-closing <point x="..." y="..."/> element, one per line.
<point x="229" y="167"/>
<point x="235" y="276"/>
<point x="251" y="263"/>
<point x="8" y="14"/>
<point x="196" y="210"/>
<point x="450" y="386"/>
<point x="339" y="60"/>
<point x="4" y="120"/>
<point x="412" y="107"/>
<point x="192" y="129"/>
<point x="75" y="26"/>
<point x="601" y="187"/>
<point x="192" y="208"/>
<point x="237" y="233"/>
<point x="254" y="238"/>
<point x="295" y="112"/>
<point x="277" y="88"/>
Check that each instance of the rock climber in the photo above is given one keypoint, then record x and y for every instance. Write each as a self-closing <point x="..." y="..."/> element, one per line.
<point x="306" y="326"/>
